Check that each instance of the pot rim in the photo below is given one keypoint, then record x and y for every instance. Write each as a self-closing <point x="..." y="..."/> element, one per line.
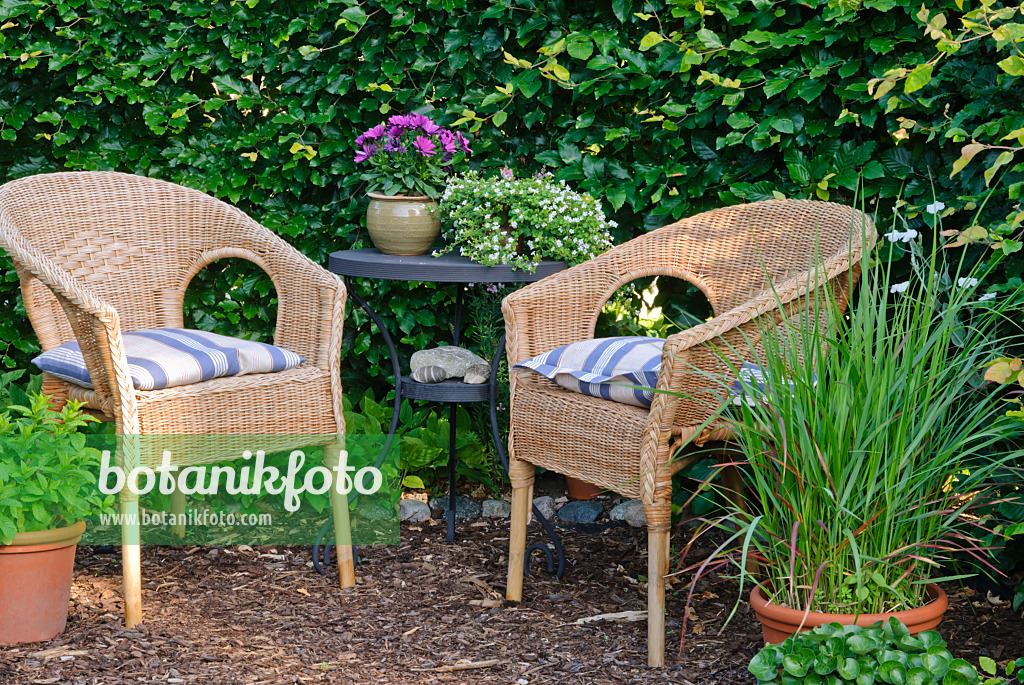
<point x="783" y="614"/>
<point x="382" y="196"/>
<point x="66" y="535"/>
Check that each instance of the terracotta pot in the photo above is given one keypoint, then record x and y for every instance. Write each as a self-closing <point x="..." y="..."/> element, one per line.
<point x="581" y="489"/>
<point x="402" y="224"/>
<point x="779" y="622"/>
<point x="35" y="583"/>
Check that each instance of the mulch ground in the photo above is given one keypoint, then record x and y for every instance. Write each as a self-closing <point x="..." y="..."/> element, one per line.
<point x="421" y="612"/>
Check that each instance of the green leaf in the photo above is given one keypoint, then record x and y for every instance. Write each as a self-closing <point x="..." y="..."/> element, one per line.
<point x="988" y="665"/>
<point x="918" y="78"/>
<point x="1013" y="65"/>
<point x="499" y="118"/>
<point x="580" y="47"/>
<point x="709" y="38"/>
<point x="355" y="14"/>
<point x="414" y="482"/>
<point x="650" y="40"/>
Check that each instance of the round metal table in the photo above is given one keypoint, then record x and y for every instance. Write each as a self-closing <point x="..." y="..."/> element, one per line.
<point x="453" y="269"/>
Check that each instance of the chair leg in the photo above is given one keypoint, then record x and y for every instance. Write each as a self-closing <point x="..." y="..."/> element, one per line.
<point x="342" y="527"/>
<point x="522" y="499"/>
<point x="178" y="511"/>
<point x="343" y="540"/>
<point x="131" y="562"/>
<point x="732" y="486"/>
<point x="657" y="567"/>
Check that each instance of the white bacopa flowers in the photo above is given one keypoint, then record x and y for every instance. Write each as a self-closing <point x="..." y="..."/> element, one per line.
<point x="935" y="207"/>
<point x="490" y="219"/>
<point x="986" y="296"/>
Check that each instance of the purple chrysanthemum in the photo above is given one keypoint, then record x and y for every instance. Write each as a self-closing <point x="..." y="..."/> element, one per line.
<point x="426" y="146"/>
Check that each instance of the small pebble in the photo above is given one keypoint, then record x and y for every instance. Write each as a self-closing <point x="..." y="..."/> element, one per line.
<point x="429" y="374"/>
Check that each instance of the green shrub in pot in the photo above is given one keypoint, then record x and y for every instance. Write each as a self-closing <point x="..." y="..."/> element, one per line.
<point x="881" y="653"/>
<point x="47" y="472"/>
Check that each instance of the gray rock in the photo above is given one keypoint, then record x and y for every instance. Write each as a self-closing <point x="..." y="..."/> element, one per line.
<point x="477" y="374"/>
<point x="413" y="510"/>
<point x="465" y="508"/>
<point x="429" y="374"/>
<point x="546" y="505"/>
<point x="630" y="512"/>
<point x="496" y="508"/>
<point x="580" y="512"/>
<point x="454" y="360"/>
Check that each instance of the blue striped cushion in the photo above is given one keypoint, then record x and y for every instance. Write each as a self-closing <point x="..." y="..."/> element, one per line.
<point x="609" y="367"/>
<point x="167" y="357"/>
<point x="605" y="367"/>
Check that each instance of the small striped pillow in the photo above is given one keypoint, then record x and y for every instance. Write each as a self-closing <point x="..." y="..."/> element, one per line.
<point x="609" y="367"/>
<point x="167" y="357"/>
<point x="605" y="367"/>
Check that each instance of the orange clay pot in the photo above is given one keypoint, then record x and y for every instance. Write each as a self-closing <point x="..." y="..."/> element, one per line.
<point x="779" y="622"/>
<point x="35" y="583"/>
<point x="581" y="489"/>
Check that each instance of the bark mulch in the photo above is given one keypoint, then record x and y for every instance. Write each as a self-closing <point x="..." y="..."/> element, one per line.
<point x="423" y="612"/>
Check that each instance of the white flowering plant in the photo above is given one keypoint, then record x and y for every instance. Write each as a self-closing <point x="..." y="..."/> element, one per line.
<point x="520" y="221"/>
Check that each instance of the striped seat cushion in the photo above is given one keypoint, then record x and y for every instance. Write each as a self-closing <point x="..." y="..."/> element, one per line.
<point x="625" y="369"/>
<point x="167" y="357"/>
<point x="604" y="367"/>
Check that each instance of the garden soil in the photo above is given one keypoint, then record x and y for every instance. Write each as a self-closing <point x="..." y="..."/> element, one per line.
<point x="423" y="612"/>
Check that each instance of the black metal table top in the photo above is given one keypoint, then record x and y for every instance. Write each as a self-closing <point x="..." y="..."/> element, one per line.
<point x="448" y="268"/>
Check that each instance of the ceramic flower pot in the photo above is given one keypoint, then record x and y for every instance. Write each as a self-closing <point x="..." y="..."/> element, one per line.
<point x="35" y="583"/>
<point x="779" y="622"/>
<point x="402" y="224"/>
<point x="581" y="489"/>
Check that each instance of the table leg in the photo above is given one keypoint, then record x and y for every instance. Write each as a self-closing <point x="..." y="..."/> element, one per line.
<point x="499" y="354"/>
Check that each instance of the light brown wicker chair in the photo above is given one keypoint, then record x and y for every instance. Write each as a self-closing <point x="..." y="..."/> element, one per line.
<point x="99" y="253"/>
<point x="736" y="256"/>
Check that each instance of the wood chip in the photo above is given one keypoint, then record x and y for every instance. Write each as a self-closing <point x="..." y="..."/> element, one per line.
<point x="621" y="616"/>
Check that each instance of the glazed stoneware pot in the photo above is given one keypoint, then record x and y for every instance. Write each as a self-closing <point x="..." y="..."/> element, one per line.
<point x="402" y="224"/>
<point x="779" y="622"/>
<point x="35" y="583"/>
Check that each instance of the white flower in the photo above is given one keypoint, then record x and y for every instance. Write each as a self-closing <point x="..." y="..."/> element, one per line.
<point x="966" y="282"/>
<point x="901" y="236"/>
<point x="900" y="287"/>
<point x="935" y="207"/>
<point x="986" y="296"/>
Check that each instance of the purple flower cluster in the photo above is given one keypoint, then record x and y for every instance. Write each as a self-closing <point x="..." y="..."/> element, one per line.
<point x="410" y="131"/>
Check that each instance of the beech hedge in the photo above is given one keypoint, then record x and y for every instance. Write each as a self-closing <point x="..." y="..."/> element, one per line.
<point x="659" y="109"/>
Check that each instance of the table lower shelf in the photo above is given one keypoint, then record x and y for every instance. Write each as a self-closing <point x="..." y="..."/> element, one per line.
<point x="445" y="391"/>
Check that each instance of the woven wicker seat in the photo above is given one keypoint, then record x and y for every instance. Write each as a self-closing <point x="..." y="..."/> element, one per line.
<point x="99" y="253"/>
<point x="747" y="259"/>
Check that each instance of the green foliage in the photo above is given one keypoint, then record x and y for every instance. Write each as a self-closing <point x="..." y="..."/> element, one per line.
<point x="423" y="438"/>
<point x="881" y="653"/>
<point x="47" y="473"/>
<point x="521" y="221"/>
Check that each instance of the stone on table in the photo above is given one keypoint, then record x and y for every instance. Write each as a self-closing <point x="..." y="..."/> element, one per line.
<point x="454" y="360"/>
<point x="477" y="374"/>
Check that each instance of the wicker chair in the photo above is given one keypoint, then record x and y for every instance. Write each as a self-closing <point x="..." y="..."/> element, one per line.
<point x="98" y="253"/>
<point x="736" y="256"/>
